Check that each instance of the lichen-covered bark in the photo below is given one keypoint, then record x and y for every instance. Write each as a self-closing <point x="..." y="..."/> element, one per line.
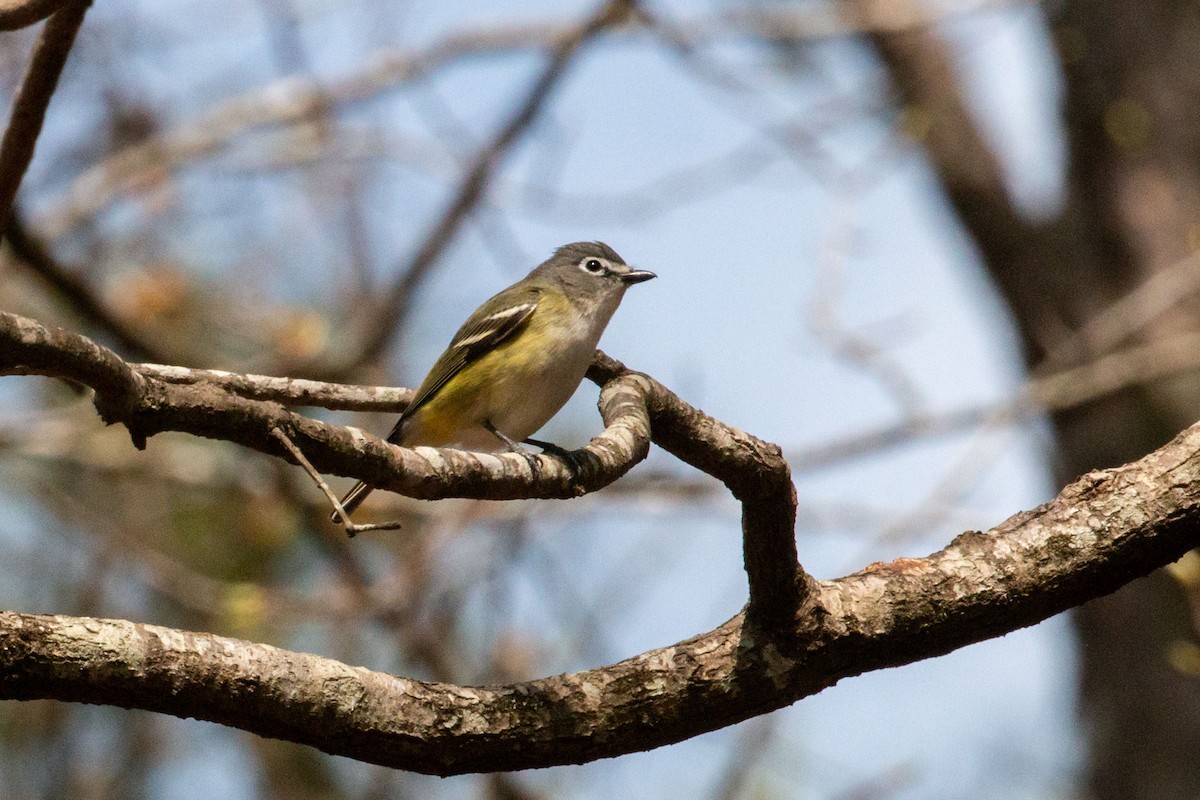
<point x="1104" y="530"/>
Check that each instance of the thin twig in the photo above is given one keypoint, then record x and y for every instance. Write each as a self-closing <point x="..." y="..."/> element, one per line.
<point x="861" y="351"/>
<point x="1129" y="314"/>
<point x="296" y="100"/>
<point x="1069" y="388"/>
<point x="352" y="528"/>
<point x="29" y="109"/>
<point x="16" y="14"/>
<point x="287" y="391"/>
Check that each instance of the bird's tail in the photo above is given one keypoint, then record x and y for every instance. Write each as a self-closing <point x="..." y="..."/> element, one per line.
<point x="352" y="500"/>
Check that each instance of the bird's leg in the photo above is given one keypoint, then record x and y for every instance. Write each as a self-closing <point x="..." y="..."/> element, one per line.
<point x="572" y="461"/>
<point x="515" y="447"/>
<point x="549" y="447"/>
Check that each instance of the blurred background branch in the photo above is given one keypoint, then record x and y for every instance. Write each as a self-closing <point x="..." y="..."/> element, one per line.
<point x="894" y="236"/>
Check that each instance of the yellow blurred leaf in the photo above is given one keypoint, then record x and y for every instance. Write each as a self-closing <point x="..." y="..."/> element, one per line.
<point x="151" y="294"/>
<point x="1184" y="657"/>
<point x="915" y="122"/>
<point x="1187" y="571"/>
<point x="300" y="334"/>
<point x="245" y="607"/>
<point x="1128" y="123"/>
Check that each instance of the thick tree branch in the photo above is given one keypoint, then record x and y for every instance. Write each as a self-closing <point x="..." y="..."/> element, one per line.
<point x="153" y="398"/>
<point x="757" y="475"/>
<point x="1099" y="533"/>
<point x="796" y="637"/>
<point x="146" y="406"/>
<point x="31" y="348"/>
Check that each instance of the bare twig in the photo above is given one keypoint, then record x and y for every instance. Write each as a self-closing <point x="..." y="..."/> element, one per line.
<point x="859" y="350"/>
<point x="286" y="391"/>
<point x="1075" y="370"/>
<point x="298" y="100"/>
<point x="352" y="529"/>
<point x="1057" y="391"/>
<point x="958" y="478"/>
<point x="16" y="14"/>
<point x="888" y="782"/>
<point x="29" y="109"/>
<point x="1129" y="314"/>
<point x="743" y="758"/>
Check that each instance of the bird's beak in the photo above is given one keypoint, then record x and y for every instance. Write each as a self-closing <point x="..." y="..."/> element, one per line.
<point x="637" y="276"/>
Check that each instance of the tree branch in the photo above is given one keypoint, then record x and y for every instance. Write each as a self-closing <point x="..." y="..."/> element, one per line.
<point x="632" y="405"/>
<point x="757" y="475"/>
<point x="146" y="406"/>
<point x="286" y="391"/>
<point x="1102" y="531"/>
<point x="796" y="637"/>
<point x="29" y="109"/>
<point x="15" y="14"/>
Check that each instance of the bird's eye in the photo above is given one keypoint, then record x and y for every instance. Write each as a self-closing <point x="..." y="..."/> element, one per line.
<point x="593" y="265"/>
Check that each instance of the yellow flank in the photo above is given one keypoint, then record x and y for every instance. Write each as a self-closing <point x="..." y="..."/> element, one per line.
<point x="527" y="365"/>
<point x="553" y="319"/>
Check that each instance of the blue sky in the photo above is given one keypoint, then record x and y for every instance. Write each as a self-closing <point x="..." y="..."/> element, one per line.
<point x="728" y="325"/>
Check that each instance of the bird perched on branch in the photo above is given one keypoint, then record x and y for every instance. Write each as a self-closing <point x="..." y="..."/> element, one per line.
<point x="518" y="359"/>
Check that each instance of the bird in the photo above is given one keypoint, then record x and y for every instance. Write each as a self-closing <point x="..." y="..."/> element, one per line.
<point x="517" y="359"/>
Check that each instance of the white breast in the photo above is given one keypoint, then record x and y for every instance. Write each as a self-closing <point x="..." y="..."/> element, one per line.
<point x="548" y="386"/>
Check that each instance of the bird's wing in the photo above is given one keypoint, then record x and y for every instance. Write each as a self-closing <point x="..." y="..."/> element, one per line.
<point x="495" y="321"/>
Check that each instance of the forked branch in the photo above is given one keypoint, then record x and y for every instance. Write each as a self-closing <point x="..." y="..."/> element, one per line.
<point x="797" y="636"/>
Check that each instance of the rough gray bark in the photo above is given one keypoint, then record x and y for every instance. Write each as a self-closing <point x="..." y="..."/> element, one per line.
<point x="796" y="637"/>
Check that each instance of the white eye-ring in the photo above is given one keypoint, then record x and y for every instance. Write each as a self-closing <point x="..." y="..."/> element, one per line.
<point x="594" y="266"/>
